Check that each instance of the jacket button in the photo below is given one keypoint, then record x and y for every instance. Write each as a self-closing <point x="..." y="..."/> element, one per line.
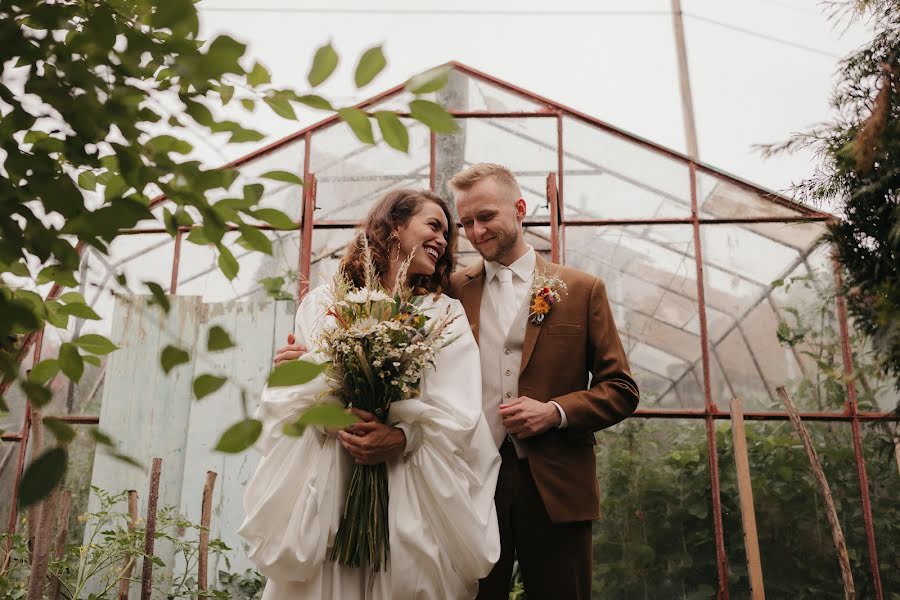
<point x="508" y="395"/>
<point x="506" y="351"/>
<point x="508" y="372"/>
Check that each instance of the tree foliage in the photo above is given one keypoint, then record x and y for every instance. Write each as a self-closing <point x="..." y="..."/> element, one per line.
<point x="97" y="100"/>
<point x="860" y="170"/>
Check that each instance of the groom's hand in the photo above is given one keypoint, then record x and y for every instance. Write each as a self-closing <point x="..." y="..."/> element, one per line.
<point x="372" y="442"/>
<point x="292" y="351"/>
<point x="527" y="417"/>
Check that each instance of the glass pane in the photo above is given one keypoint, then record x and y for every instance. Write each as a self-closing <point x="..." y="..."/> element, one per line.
<point x="650" y="276"/>
<point x="720" y="199"/>
<point x="881" y="446"/>
<point x="199" y="274"/>
<point x="790" y="517"/>
<point x="352" y="176"/>
<point x="608" y="177"/>
<point x="527" y="146"/>
<point x="328" y="247"/>
<point x="655" y="536"/>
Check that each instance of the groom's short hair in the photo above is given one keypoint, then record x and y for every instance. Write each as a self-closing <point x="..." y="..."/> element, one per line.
<point x="467" y="178"/>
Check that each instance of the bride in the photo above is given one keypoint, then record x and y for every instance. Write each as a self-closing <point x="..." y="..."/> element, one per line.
<point x="443" y="468"/>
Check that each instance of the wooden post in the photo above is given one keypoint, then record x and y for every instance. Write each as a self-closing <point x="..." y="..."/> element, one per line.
<point x="150" y="533"/>
<point x="37" y="446"/>
<point x="128" y="567"/>
<point x="687" y="100"/>
<point x="62" y="531"/>
<point x="745" y="491"/>
<point x="837" y="533"/>
<point x="205" y="518"/>
<point x="37" y="579"/>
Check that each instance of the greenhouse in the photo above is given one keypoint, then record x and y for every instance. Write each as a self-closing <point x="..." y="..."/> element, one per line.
<point x="721" y="290"/>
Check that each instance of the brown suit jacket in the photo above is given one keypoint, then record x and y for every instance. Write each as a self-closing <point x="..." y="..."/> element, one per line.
<point x="575" y="357"/>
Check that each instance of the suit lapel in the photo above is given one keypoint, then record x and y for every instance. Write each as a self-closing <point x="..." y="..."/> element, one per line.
<point x="470" y="295"/>
<point x="532" y="331"/>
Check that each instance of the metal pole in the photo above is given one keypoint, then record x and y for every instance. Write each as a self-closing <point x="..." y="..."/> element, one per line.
<point x="687" y="102"/>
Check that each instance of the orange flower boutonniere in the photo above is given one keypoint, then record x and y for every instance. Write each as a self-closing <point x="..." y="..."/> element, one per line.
<point x="545" y="292"/>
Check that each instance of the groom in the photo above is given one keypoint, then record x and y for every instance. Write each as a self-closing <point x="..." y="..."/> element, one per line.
<point x="547" y="387"/>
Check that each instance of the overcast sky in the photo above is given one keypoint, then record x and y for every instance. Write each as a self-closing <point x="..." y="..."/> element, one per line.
<point x="759" y="70"/>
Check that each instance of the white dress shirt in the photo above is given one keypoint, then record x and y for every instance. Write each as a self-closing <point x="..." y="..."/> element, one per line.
<point x="522" y="281"/>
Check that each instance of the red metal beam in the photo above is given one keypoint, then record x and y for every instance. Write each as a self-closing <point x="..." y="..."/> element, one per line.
<point x="721" y="556"/>
<point x="553" y="204"/>
<point x="853" y="408"/>
<point x="309" y="206"/>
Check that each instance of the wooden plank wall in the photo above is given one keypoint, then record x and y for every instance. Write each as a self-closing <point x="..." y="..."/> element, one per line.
<point x="151" y="414"/>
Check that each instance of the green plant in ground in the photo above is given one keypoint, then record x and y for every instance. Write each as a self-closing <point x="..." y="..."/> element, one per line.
<point x="655" y="538"/>
<point x="92" y="569"/>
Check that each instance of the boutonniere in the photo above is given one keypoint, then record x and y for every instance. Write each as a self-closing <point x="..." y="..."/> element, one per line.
<point x="545" y="292"/>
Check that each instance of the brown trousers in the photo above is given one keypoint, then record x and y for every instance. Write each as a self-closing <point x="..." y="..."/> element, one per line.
<point x="554" y="558"/>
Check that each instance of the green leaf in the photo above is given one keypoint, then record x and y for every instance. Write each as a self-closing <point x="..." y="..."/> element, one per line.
<point x="324" y="415"/>
<point x="127" y="460"/>
<point x="42" y="476"/>
<point x="91" y="359"/>
<point x="254" y="239"/>
<point x="324" y="64"/>
<point x="285" y="176"/>
<point x="227" y="262"/>
<point x="64" y="277"/>
<point x="172" y="356"/>
<point x="171" y="12"/>
<point x="159" y="296"/>
<point x="95" y="344"/>
<point x="275" y="218"/>
<point x="371" y="63"/>
<point x="81" y="311"/>
<point x="393" y="130"/>
<point x="198" y="236"/>
<point x="281" y="106"/>
<point x="226" y="92"/>
<point x="433" y="115"/>
<point x="37" y="394"/>
<point x="55" y="315"/>
<point x="218" y="339"/>
<point x="72" y="297"/>
<point x="258" y="76"/>
<point x="206" y="384"/>
<point x="87" y="181"/>
<point x="62" y="431"/>
<point x="313" y="101"/>
<point x="359" y="123"/>
<point x="44" y="371"/>
<point x="70" y="362"/>
<point x="430" y="81"/>
<point x="239" y="436"/>
<point x="294" y="372"/>
<point x="100" y="437"/>
<point x="248" y="104"/>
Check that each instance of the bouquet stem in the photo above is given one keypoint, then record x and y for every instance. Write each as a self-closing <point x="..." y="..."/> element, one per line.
<point x="362" y="538"/>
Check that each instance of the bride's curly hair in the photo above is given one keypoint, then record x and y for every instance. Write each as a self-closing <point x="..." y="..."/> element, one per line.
<point x="389" y="213"/>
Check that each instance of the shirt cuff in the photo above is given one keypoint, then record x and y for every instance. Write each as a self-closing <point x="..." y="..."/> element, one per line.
<point x="563" y="421"/>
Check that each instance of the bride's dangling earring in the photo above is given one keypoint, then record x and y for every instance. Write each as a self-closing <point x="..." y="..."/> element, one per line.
<point x="394" y="236"/>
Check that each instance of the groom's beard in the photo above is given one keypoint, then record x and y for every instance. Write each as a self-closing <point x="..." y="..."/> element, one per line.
<point x="503" y="244"/>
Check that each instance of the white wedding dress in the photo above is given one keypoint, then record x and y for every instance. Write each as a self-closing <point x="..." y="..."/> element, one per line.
<point x="442" y="520"/>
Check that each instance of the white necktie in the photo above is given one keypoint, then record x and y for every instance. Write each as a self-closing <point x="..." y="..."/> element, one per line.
<point x="506" y="299"/>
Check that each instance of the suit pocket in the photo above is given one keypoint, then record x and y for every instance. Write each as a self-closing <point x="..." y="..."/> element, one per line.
<point x="563" y="329"/>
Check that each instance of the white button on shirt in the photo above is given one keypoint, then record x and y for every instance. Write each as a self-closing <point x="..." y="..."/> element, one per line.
<point x="522" y="280"/>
